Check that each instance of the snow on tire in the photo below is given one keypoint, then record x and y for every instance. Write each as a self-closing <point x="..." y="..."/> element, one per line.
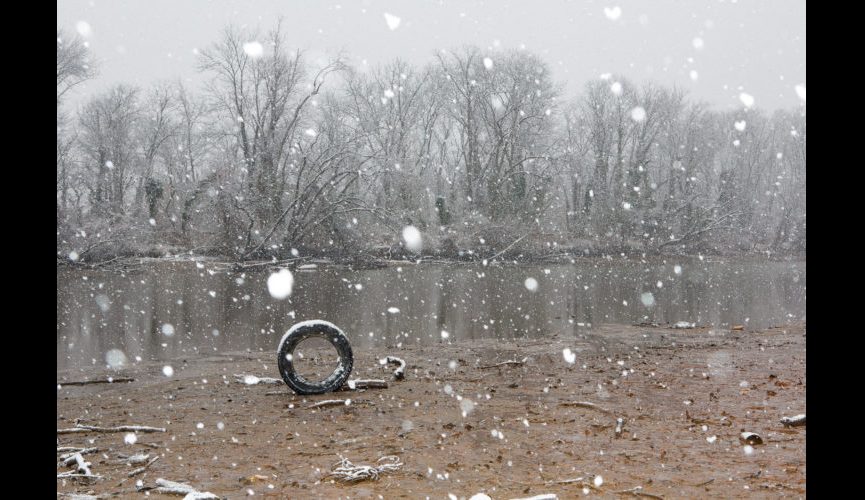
<point x="302" y="331"/>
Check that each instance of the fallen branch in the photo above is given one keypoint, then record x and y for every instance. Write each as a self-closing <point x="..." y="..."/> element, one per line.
<point x="399" y="373"/>
<point x="503" y="363"/>
<point x="143" y="468"/>
<point x="253" y="380"/>
<point x="508" y="247"/>
<point x="328" y="402"/>
<point x="346" y="471"/>
<point x="637" y="493"/>
<point x="98" y="381"/>
<point x="123" y="428"/>
<point x="586" y="404"/>
<point x="68" y="458"/>
<point x="569" y="481"/>
<point x="82" y="469"/>
<point x="167" y="487"/>
<point x="353" y="385"/>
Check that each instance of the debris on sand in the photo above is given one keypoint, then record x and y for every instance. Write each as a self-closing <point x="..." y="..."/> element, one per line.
<point x="750" y="438"/>
<point x="346" y="471"/>
<point x="794" y="421"/>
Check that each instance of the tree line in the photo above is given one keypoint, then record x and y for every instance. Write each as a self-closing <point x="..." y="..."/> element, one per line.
<point x="280" y="151"/>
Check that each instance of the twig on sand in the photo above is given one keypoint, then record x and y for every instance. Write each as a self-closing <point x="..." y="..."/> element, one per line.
<point x="167" y="487"/>
<point x="353" y="385"/>
<point x="704" y="483"/>
<point x="503" y="363"/>
<point x="544" y="496"/>
<point x="346" y="471"/>
<point x="636" y="491"/>
<point x="586" y="404"/>
<point x="68" y="458"/>
<point x="569" y="481"/>
<point x="123" y="428"/>
<point x="143" y="468"/>
<point x="330" y="402"/>
<point x="98" y="381"/>
<point x="82" y="469"/>
<point x="399" y="373"/>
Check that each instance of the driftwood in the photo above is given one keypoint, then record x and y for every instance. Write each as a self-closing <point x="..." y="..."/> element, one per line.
<point x="82" y="469"/>
<point x="353" y="385"/>
<point x="509" y="246"/>
<point x="586" y="404"/>
<point x="399" y="373"/>
<point x="503" y="363"/>
<point x="143" y="468"/>
<point x="123" y="428"/>
<point x="167" y="487"/>
<point x="346" y="471"/>
<point x="636" y="491"/>
<point x="69" y="458"/>
<point x="328" y="402"/>
<point x="98" y="381"/>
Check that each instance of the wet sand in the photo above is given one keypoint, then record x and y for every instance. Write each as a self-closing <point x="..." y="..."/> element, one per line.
<point x="676" y="389"/>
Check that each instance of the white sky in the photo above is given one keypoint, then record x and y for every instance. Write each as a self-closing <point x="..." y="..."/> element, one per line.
<point x="753" y="46"/>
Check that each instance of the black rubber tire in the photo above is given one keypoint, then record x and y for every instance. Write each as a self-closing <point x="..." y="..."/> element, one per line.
<point x="302" y="331"/>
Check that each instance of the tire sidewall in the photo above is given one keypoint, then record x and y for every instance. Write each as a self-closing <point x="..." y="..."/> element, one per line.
<point x="298" y="334"/>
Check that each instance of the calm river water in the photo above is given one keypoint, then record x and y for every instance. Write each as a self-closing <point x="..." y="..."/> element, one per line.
<point x="172" y="310"/>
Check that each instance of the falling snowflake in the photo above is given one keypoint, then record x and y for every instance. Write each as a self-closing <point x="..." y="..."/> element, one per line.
<point x="616" y="88"/>
<point x="411" y="237"/>
<point x="800" y="91"/>
<point x="638" y="114"/>
<point x="253" y="49"/>
<point x="83" y="28"/>
<point x="115" y="358"/>
<point x="647" y="299"/>
<point x="167" y="329"/>
<point x="694" y="75"/>
<point x="130" y="438"/>
<point x="168" y="371"/>
<point x="613" y="13"/>
<point x="570" y="357"/>
<point x="531" y="284"/>
<point x="488" y="63"/>
<point x="280" y="284"/>
<point x="393" y="310"/>
<point x="697" y="43"/>
<point x="467" y="406"/>
<point x="747" y="99"/>
<point x="740" y="125"/>
<point x="392" y="21"/>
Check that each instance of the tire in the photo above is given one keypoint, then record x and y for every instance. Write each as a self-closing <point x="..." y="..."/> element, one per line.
<point x="302" y="331"/>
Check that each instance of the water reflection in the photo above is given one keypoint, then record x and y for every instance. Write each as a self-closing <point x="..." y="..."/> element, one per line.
<point x="213" y="312"/>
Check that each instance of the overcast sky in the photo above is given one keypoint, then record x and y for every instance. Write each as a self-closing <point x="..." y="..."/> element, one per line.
<point x="715" y="49"/>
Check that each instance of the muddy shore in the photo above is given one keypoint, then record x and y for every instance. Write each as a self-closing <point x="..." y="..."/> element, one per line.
<point x="685" y="395"/>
